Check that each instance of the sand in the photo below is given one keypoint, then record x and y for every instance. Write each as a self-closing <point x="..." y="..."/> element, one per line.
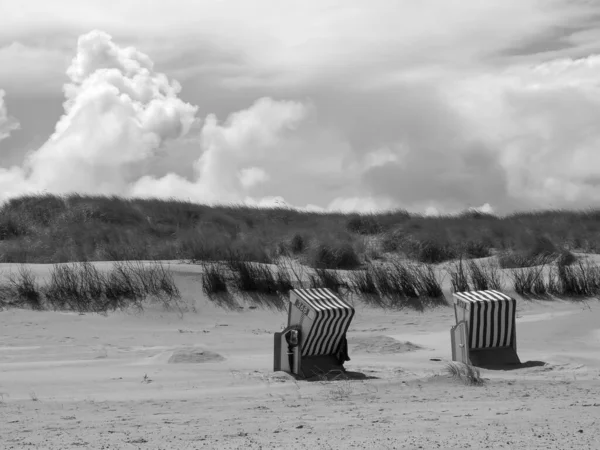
<point x="200" y="377"/>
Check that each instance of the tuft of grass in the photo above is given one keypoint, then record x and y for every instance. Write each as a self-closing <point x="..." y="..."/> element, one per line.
<point x="333" y="254"/>
<point x="364" y="281"/>
<point x="467" y="374"/>
<point x="365" y="224"/>
<point x="329" y="279"/>
<point x="283" y="278"/>
<point x="477" y="276"/>
<point x="528" y="281"/>
<point x="404" y="285"/>
<point x="459" y="277"/>
<point x="405" y="280"/>
<point x="577" y="280"/>
<point x="82" y="287"/>
<point x="432" y="251"/>
<point x="484" y="276"/>
<point x="298" y="243"/>
<point x="22" y="289"/>
<point x="398" y="285"/>
<point x="253" y="277"/>
<point x="428" y="285"/>
<point x="259" y="283"/>
<point x="566" y="258"/>
<point x="475" y="249"/>
<point x="214" y="279"/>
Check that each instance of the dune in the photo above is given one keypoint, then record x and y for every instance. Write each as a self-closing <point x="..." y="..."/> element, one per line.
<point x="200" y="376"/>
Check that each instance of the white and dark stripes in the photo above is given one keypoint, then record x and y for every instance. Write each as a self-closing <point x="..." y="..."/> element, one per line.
<point x="492" y="318"/>
<point x="333" y="317"/>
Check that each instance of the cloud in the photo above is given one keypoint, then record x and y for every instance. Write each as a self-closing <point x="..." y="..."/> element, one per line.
<point x="121" y="116"/>
<point x="31" y="70"/>
<point x="226" y="169"/>
<point x="540" y="123"/>
<point x="12" y="181"/>
<point x="251" y="176"/>
<point x="118" y="113"/>
<point x="263" y="44"/>
<point x="7" y="123"/>
<point x="520" y="136"/>
<point x="362" y="204"/>
<point x="485" y="208"/>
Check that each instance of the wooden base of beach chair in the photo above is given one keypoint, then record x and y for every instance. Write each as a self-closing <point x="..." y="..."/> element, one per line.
<point x="284" y="359"/>
<point x="303" y="366"/>
<point x="496" y="357"/>
<point x="320" y="366"/>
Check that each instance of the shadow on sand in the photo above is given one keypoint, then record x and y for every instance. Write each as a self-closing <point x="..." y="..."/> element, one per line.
<point x="512" y="366"/>
<point x="337" y="375"/>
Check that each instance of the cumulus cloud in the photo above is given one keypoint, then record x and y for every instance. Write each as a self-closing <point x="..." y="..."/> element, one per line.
<point x="523" y="137"/>
<point x="117" y="112"/>
<point x="362" y="204"/>
<point x="226" y="169"/>
<point x="540" y="123"/>
<point x="252" y="176"/>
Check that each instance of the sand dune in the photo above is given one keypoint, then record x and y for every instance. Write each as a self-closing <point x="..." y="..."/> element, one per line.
<point x="201" y="377"/>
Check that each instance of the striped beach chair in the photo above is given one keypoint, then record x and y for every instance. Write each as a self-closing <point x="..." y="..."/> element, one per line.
<point x="485" y="333"/>
<point x="314" y="342"/>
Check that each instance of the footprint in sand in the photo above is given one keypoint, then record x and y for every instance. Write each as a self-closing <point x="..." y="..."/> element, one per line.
<point x="381" y="344"/>
<point x="194" y="356"/>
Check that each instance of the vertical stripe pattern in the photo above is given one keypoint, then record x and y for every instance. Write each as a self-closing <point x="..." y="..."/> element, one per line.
<point x="333" y="317"/>
<point x="492" y="317"/>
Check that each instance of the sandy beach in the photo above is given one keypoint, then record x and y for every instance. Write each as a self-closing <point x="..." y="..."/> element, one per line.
<point x="199" y="376"/>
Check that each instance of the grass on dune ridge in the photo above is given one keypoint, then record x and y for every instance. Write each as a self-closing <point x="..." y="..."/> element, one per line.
<point x="55" y="229"/>
<point x="388" y="258"/>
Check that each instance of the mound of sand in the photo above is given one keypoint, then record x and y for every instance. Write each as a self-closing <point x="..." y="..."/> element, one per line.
<point x="381" y="344"/>
<point x="194" y="356"/>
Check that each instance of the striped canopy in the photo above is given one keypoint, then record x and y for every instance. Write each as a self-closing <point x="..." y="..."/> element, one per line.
<point x="491" y="318"/>
<point x="329" y="318"/>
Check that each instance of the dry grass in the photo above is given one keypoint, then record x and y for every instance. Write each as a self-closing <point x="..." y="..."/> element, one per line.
<point x="398" y="285"/>
<point x="53" y="229"/>
<point x="467" y="374"/>
<point x="475" y="276"/>
<point x="82" y="287"/>
<point x="391" y="257"/>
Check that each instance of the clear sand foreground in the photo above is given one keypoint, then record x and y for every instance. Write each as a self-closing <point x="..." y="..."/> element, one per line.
<point x="202" y="377"/>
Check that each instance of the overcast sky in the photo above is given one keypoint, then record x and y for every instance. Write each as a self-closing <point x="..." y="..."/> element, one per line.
<point x="428" y="105"/>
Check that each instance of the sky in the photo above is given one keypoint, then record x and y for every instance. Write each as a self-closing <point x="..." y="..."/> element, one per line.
<point x="433" y="106"/>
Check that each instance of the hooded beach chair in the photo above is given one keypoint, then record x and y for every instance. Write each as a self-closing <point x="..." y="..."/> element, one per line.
<point x="314" y="342"/>
<point x="485" y="333"/>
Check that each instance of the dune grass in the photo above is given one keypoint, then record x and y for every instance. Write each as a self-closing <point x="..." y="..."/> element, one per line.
<point x="53" y="229"/>
<point x="467" y="374"/>
<point x="390" y="257"/>
<point x="82" y="287"/>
